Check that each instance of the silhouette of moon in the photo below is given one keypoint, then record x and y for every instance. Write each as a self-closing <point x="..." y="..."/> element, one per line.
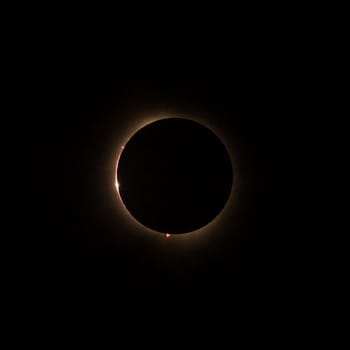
<point x="174" y="176"/>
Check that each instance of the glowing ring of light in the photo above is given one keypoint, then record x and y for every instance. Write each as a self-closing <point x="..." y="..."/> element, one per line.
<point x="208" y="228"/>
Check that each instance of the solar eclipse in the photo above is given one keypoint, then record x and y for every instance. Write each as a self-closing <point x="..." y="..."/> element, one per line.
<point x="174" y="176"/>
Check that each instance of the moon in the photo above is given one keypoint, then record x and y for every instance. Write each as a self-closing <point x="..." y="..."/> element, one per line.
<point x="174" y="176"/>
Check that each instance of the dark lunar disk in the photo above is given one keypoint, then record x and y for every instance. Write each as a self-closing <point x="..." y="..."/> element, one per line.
<point x="174" y="176"/>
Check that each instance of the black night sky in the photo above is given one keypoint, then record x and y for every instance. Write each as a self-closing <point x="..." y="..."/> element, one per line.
<point x="84" y="238"/>
<point x="82" y="89"/>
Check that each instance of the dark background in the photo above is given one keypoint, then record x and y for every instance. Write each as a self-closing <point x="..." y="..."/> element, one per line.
<point x="82" y="241"/>
<point x="77" y="85"/>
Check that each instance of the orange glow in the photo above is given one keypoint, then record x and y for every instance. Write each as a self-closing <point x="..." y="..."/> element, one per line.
<point x="168" y="235"/>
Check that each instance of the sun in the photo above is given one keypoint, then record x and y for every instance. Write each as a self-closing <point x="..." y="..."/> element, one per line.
<point x="194" y="235"/>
